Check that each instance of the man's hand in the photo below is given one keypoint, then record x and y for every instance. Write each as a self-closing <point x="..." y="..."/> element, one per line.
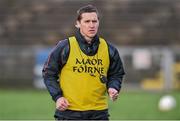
<point x="62" y="104"/>
<point x="113" y="94"/>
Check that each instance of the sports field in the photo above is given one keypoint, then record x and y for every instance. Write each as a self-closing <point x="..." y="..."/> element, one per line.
<point x="30" y="105"/>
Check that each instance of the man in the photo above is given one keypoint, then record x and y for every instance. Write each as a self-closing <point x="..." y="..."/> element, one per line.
<point x="87" y="67"/>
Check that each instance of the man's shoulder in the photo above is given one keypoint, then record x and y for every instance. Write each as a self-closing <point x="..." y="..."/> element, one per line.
<point x="62" y="42"/>
<point x="108" y="43"/>
<point x="61" y="45"/>
<point x="112" y="49"/>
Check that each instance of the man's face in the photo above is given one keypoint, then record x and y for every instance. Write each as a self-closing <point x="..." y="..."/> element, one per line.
<point x="88" y="24"/>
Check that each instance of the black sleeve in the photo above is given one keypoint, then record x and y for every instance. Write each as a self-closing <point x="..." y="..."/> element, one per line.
<point x="116" y="70"/>
<point x="53" y="66"/>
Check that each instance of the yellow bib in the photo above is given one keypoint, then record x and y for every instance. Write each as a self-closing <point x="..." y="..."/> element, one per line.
<point x="79" y="78"/>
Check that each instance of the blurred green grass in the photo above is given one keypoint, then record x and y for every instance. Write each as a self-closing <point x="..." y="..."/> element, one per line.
<point x="37" y="104"/>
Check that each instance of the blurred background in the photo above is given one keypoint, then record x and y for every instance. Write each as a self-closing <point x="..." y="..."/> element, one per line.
<point x="146" y="33"/>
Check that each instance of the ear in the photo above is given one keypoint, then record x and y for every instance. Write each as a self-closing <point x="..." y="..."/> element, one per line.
<point x="77" y="25"/>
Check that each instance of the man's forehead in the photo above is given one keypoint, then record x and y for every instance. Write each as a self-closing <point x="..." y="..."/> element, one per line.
<point x="89" y="15"/>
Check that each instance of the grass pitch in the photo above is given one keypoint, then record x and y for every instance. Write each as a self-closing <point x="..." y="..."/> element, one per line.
<point x="37" y="105"/>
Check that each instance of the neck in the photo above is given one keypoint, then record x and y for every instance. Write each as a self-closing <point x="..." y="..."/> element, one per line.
<point x="88" y="39"/>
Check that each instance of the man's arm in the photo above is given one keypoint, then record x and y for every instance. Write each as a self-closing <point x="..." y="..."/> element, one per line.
<point x="53" y="66"/>
<point x="115" y="73"/>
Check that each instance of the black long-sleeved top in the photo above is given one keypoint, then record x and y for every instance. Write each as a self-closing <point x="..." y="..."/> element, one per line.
<point x="58" y="58"/>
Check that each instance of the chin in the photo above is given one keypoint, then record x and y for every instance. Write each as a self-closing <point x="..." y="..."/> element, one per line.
<point x="92" y="35"/>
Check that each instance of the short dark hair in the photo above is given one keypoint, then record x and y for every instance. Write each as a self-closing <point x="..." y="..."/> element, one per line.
<point x="86" y="9"/>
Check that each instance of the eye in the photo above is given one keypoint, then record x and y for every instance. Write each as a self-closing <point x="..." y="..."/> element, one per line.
<point x="87" y="21"/>
<point x="94" y="21"/>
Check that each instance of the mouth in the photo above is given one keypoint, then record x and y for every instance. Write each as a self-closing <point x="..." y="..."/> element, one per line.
<point x="91" y="31"/>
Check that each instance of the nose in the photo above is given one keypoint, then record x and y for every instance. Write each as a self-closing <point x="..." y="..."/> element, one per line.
<point x="92" y="25"/>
